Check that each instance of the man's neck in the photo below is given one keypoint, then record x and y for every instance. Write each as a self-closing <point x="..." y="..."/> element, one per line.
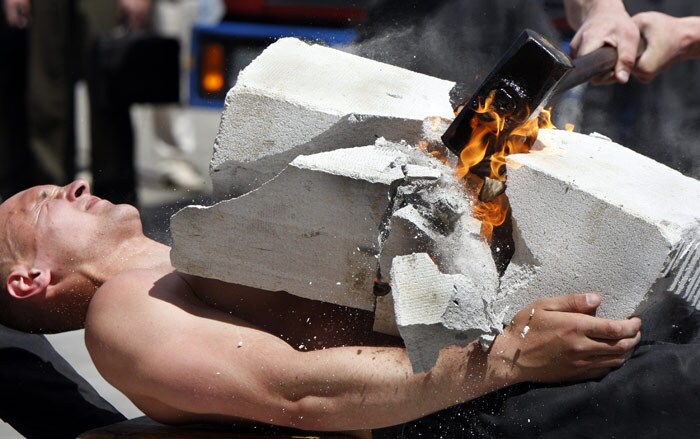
<point x="138" y="253"/>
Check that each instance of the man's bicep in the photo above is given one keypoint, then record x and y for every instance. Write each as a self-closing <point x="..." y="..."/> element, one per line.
<point x="208" y="367"/>
<point x="163" y="347"/>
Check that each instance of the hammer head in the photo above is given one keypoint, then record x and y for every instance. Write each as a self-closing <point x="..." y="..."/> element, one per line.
<point x="521" y="83"/>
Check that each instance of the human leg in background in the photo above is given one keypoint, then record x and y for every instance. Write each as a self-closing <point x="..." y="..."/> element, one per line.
<point x="173" y="125"/>
<point x="53" y="71"/>
<point x="111" y="133"/>
<point x="17" y="163"/>
<point x="62" y="33"/>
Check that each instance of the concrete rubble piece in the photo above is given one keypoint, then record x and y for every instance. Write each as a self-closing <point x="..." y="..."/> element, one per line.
<point x="325" y="189"/>
<point x="435" y="310"/>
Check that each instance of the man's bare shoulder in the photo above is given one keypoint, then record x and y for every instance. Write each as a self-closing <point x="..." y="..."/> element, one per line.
<point x="129" y="289"/>
<point x="129" y="313"/>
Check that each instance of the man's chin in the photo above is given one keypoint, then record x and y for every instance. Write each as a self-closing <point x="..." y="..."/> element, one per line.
<point x="125" y="211"/>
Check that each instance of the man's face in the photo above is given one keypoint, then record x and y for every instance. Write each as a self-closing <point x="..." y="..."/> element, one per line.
<point x="64" y="224"/>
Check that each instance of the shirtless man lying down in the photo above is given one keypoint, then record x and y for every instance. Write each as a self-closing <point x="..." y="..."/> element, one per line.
<point x="73" y="260"/>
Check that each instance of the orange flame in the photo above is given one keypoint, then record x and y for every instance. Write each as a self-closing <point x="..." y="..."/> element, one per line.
<point x="491" y="214"/>
<point x="487" y="131"/>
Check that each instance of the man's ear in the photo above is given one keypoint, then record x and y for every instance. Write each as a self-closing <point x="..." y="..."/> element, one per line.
<point x="23" y="283"/>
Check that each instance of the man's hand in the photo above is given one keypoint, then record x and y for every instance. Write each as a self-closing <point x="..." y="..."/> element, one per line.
<point x="17" y="12"/>
<point x="135" y="13"/>
<point x="669" y="40"/>
<point x="563" y="342"/>
<point x="604" y="22"/>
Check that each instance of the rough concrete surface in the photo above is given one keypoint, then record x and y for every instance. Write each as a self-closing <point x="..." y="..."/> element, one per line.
<point x="296" y="233"/>
<point x="294" y="91"/>
<point x="591" y="215"/>
<point x="435" y="310"/>
<point x="310" y="203"/>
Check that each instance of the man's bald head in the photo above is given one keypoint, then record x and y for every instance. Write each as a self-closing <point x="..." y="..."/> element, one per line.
<point x="56" y="246"/>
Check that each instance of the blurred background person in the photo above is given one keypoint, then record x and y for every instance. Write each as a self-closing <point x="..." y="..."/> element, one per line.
<point x="112" y="155"/>
<point x="175" y="141"/>
<point x="61" y="34"/>
<point x="14" y="143"/>
<point x="50" y="399"/>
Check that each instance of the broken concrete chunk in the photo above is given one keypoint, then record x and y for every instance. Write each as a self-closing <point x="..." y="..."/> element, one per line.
<point x="431" y="214"/>
<point x="435" y="310"/>
<point x="591" y="215"/>
<point x="431" y="140"/>
<point x="294" y="92"/>
<point x="294" y="234"/>
<point x="373" y="163"/>
<point x="315" y="230"/>
<point x="234" y="177"/>
<point x="417" y="172"/>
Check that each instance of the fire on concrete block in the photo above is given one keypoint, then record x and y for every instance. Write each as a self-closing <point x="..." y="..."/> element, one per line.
<point x="332" y="184"/>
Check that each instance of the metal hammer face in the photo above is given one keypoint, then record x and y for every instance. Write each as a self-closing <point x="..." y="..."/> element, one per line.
<point x="521" y="83"/>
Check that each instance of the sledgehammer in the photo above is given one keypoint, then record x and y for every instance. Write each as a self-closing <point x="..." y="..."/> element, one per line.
<point x="523" y="81"/>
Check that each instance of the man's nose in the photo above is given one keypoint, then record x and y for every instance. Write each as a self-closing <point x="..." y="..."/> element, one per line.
<point x="76" y="189"/>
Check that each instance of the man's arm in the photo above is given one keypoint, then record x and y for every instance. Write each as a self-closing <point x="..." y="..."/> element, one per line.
<point x="601" y="22"/>
<point x="669" y="40"/>
<point x="197" y="362"/>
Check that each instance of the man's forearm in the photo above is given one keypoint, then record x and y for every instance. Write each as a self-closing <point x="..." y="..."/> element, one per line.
<point x="346" y="388"/>
<point x="690" y="42"/>
<point x="244" y="372"/>
<point x="342" y="388"/>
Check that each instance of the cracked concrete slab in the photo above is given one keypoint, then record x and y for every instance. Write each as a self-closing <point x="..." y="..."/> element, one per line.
<point x="237" y="177"/>
<point x="314" y="230"/>
<point x="591" y="215"/>
<point x="295" y="233"/>
<point x="293" y="92"/>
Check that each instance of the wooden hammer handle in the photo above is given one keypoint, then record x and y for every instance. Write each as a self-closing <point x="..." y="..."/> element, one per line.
<point x="587" y="67"/>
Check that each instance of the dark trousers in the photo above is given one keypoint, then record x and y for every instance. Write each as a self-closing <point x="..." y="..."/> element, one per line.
<point x="42" y="395"/>
<point x="18" y="166"/>
<point x="61" y="38"/>
<point x="654" y="395"/>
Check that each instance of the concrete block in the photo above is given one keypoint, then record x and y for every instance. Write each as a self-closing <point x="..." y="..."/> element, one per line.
<point x="591" y="215"/>
<point x="434" y="217"/>
<point x="324" y="226"/>
<point x="293" y="92"/>
<point x="436" y="310"/>
<point x="312" y="231"/>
